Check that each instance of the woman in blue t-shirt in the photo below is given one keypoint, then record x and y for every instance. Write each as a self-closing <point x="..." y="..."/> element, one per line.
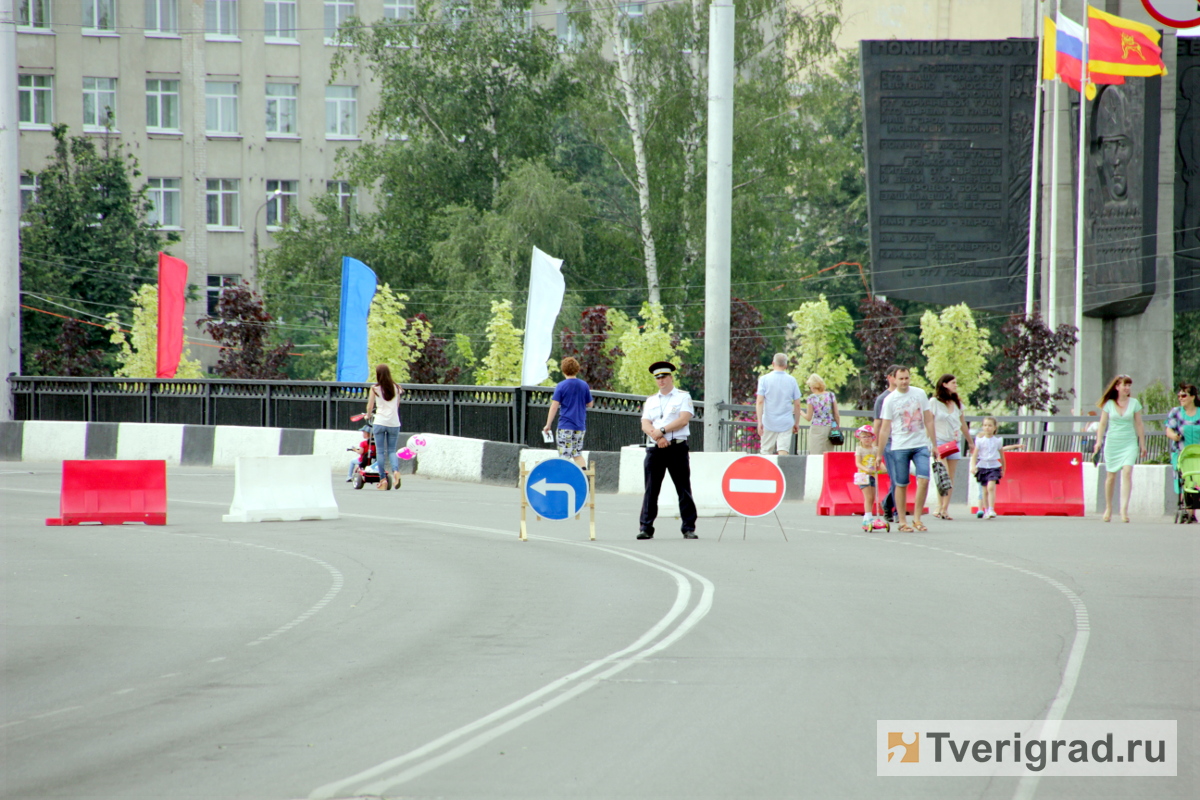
<point x="574" y="397"/>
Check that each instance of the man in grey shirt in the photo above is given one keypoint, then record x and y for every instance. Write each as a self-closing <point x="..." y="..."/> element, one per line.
<point x="777" y="408"/>
<point x="889" y="502"/>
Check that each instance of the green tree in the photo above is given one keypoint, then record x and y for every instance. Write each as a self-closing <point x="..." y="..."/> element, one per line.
<point x="392" y="339"/>
<point x="820" y="342"/>
<point x="137" y="351"/>
<point x="656" y="341"/>
<point x="85" y="242"/>
<point x="646" y="109"/>
<point x="502" y="364"/>
<point x="953" y="345"/>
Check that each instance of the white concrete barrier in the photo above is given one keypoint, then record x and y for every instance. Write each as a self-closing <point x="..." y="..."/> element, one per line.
<point x="232" y="442"/>
<point x="1153" y="490"/>
<point x="333" y="445"/>
<point x="282" y="488"/>
<point x="54" y="441"/>
<point x="814" y="477"/>
<point x="706" y="468"/>
<point x="451" y="458"/>
<point x="150" y="441"/>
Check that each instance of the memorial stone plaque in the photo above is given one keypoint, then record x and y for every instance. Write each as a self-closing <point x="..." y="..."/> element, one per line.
<point x="949" y="135"/>
<point x="1187" y="176"/>
<point x="1121" y="231"/>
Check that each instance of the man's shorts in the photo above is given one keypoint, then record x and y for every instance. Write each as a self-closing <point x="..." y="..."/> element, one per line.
<point x="570" y="443"/>
<point x="919" y="456"/>
<point x="986" y="475"/>
<point x="773" y="442"/>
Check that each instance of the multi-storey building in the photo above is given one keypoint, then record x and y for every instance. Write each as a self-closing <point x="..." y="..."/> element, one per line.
<point x="229" y="106"/>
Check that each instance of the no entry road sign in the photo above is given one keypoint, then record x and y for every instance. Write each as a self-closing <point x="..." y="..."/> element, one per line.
<point x="556" y="489"/>
<point x="753" y="486"/>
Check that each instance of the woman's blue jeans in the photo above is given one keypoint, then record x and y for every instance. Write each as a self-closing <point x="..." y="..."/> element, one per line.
<point x="387" y="442"/>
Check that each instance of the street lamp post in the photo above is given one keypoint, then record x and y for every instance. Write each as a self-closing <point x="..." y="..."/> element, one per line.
<point x="270" y="197"/>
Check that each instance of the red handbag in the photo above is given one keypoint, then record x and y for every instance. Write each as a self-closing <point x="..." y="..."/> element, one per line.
<point x="947" y="449"/>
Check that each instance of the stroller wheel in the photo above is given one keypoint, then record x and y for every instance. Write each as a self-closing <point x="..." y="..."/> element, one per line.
<point x="358" y="481"/>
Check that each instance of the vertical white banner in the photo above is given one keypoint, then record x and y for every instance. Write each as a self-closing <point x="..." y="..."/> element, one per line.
<point x="546" y="289"/>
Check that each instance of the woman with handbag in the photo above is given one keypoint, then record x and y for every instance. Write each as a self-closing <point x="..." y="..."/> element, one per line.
<point x="384" y="401"/>
<point x="823" y="416"/>
<point x="950" y="426"/>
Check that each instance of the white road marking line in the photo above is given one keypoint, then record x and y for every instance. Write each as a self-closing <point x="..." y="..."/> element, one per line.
<point x="124" y="691"/>
<point x="55" y="713"/>
<point x="215" y="660"/>
<point x="170" y="675"/>
<point x="1027" y="786"/>
<point x="616" y="662"/>
<point x="11" y="724"/>
<point x="753" y="486"/>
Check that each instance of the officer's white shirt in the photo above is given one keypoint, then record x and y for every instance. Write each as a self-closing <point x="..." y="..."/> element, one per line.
<point x="663" y="409"/>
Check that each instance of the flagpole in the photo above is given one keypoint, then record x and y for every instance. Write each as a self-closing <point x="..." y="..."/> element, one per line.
<point x="1033" y="171"/>
<point x="1052" y="288"/>
<point x="1079" y="222"/>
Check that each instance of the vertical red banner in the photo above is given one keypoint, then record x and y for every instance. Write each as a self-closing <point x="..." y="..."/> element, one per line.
<point x="172" y="286"/>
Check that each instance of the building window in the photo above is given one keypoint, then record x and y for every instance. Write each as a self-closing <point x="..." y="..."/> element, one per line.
<point x="35" y="100"/>
<point x="216" y="284"/>
<point x="222" y="203"/>
<point x="29" y="190"/>
<point x="345" y="195"/>
<point x="281" y="207"/>
<point x="33" y="13"/>
<point x="399" y="9"/>
<point x="341" y="112"/>
<point x="336" y="13"/>
<point x="281" y="108"/>
<point x="568" y="31"/>
<point x="221" y="17"/>
<point x="99" y="103"/>
<point x="162" y="105"/>
<point x="166" y="208"/>
<point x="162" y="16"/>
<point x="99" y="15"/>
<point x="221" y="107"/>
<point x="280" y="19"/>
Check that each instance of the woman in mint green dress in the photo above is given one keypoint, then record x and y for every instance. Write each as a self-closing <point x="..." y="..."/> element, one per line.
<point x="1124" y="437"/>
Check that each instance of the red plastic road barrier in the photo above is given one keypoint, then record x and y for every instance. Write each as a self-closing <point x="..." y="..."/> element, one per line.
<point x="841" y="498"/>
<point x="112" y="493"/>
<point x="1041" y="485"/>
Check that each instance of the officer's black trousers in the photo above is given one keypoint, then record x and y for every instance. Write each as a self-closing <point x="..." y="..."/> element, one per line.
<point x="659" y="461"/>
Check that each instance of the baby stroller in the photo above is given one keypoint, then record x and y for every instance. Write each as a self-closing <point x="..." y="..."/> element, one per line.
<point x="367" y="470"/>
<point x="1187" y="475"/>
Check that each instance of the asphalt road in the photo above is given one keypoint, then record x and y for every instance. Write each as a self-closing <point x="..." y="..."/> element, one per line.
<point x="417" y="648"/>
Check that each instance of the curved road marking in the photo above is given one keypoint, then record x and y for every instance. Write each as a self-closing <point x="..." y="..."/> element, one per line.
<point x="1027" y="786"/>
<point x="376" y="780"/>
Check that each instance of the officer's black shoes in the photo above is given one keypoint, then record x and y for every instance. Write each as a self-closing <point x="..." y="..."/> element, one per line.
<point x="646" y="535"/>
<point x="690" y="535"/>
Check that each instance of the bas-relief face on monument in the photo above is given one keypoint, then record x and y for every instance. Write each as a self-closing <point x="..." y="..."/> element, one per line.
<point x="1113" y="129"/>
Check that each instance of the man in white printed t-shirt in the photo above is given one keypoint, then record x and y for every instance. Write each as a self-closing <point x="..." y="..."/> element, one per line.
<point x="906" y="417"/>
<point x="777" y="407"/>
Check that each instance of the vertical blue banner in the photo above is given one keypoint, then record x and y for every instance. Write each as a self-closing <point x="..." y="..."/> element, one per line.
<point x="358" y="289"/>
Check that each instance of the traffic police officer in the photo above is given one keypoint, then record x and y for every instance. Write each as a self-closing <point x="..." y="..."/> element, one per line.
<point x="665" y="419"/>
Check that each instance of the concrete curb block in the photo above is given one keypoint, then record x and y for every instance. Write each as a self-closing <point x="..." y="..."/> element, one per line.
<point x="149" y="441"/>
<point x="453" y="458"/>
<point x="11" y="437"/>
<point x="232" y="442"/>
<point x="54" y="441"/>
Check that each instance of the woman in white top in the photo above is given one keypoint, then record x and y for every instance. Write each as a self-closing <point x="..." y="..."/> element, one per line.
<point x="950" y="426"/>
<point x="384" y="400"/>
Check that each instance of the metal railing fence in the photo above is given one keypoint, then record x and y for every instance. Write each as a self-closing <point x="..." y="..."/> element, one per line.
<point x="1044" y="434"/>
<point x="514" y="414"/>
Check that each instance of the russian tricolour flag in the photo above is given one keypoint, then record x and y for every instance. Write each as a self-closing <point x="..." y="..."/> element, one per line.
<point x="1068" y="52"/>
